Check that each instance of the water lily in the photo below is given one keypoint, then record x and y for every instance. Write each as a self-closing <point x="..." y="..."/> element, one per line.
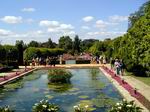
<point x="86" y="106"/>
<point x="44" y="106"/>
<point x="119" y="108"/>
<point x="129" y="105"/>
<point x="117" y="103"/>
<point x="75" y="106"/>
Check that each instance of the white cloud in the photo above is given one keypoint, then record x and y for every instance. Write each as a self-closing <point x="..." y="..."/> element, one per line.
<point x="117" y="18"/>
<point x="101" y="24"/>
<point x="66" y="27"/>
<point x="87" y="18"/>
<point x="70" y="33"/>
<point x="53" y="30"/>
<point x="28" y="10"/>
<point x="62" y="28"/>
<point x="47" y="23"/>
<point x="12" y="19"/>
<point x="85" y="27"/>
<point x="4" y="32"/>
<point x="57" y="27"/>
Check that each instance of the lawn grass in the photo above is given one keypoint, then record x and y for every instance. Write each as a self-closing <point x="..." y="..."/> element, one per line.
<point x="145" y="80"/>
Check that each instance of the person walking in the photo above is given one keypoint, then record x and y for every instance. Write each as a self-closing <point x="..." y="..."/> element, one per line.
<point x="112" y="63"/>
<point x="122" y="67"/>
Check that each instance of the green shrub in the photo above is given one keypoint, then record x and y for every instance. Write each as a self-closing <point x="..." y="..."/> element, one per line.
<point x="125" y="106"/>
<point x="6" y="109"/>
<point x="59" y="75"/>
<point x="45" y="106"/>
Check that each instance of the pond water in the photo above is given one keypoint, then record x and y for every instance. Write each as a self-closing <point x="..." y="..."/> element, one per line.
<point x="87" y="87"/>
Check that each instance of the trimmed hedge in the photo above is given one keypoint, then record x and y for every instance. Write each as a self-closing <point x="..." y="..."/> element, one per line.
<point x="33" y="52"/>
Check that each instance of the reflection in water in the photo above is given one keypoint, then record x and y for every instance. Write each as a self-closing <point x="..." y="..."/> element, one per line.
<point x="60" y="87"/>
<point x="94" y="73"/>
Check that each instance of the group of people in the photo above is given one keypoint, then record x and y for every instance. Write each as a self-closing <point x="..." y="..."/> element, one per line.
<point x="98" y="60"/>
<point x="118" y="65"/>
<point x="42" y="61"/>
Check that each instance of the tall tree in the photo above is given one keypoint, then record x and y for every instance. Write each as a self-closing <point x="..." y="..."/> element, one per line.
<point x="33" y="44"/>
<point x="87" y="43"/>
<point x="65" y="42"/>
<point x="20" y="47"/>
<point x="76" y="44"/>
<point x="2" y="53"/>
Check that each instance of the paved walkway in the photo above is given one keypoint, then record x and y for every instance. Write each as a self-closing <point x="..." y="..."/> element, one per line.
<point x="7" y="77"/>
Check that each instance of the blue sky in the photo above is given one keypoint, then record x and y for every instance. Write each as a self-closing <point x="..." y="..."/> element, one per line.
<point x="42" y="19"/>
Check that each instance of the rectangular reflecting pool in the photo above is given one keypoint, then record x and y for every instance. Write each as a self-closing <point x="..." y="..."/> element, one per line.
<point x="87" y="87"/>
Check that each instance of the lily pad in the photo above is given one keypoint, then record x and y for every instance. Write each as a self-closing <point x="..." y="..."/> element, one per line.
<point x="74" y="89"/>
<point x="59" y="87"/>
<point x="103" y="101"/>
<point x="83" y="97"/>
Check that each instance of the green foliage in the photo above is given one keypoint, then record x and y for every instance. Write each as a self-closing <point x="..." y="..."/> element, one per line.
<point x="5" y="109"/>
<point x="76" y="45"/>
<point x="87" y="43"/>
<point x="65" y="42"/>
<point x="14" y="85"/>
<point x="95" y="49"/>
<point x="45" y="106"/>
<point x="59" y="75"/>
<point x="133" y="47"/>
<point x="33" y="44"/>
<point x="2" y="51"/>
<point x="48" y="44"/>
<point x="33" y="52"/>
<point x="20" y="47"/>
<point x="125" y="106"/>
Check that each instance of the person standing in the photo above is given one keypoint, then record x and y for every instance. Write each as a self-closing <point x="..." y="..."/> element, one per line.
<point x="122" y="67"/>
<point x="112" y="63"/>
<point x="117" y="66"/>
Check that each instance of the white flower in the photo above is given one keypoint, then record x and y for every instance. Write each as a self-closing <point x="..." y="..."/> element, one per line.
<point x="6" y="109"/>
<point x="52" y="109"/>
<point x="86" y="106"/>
<point x="124" y="100"/>
<point x="35" y="104"/>
<point x="75" y="106"/>
<point x="119" y="108"/>
<point x="44" y="106"/>
<point x="129" y="105"/>
<point x="41" y="101"/>
<point x="117" y="103"/>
